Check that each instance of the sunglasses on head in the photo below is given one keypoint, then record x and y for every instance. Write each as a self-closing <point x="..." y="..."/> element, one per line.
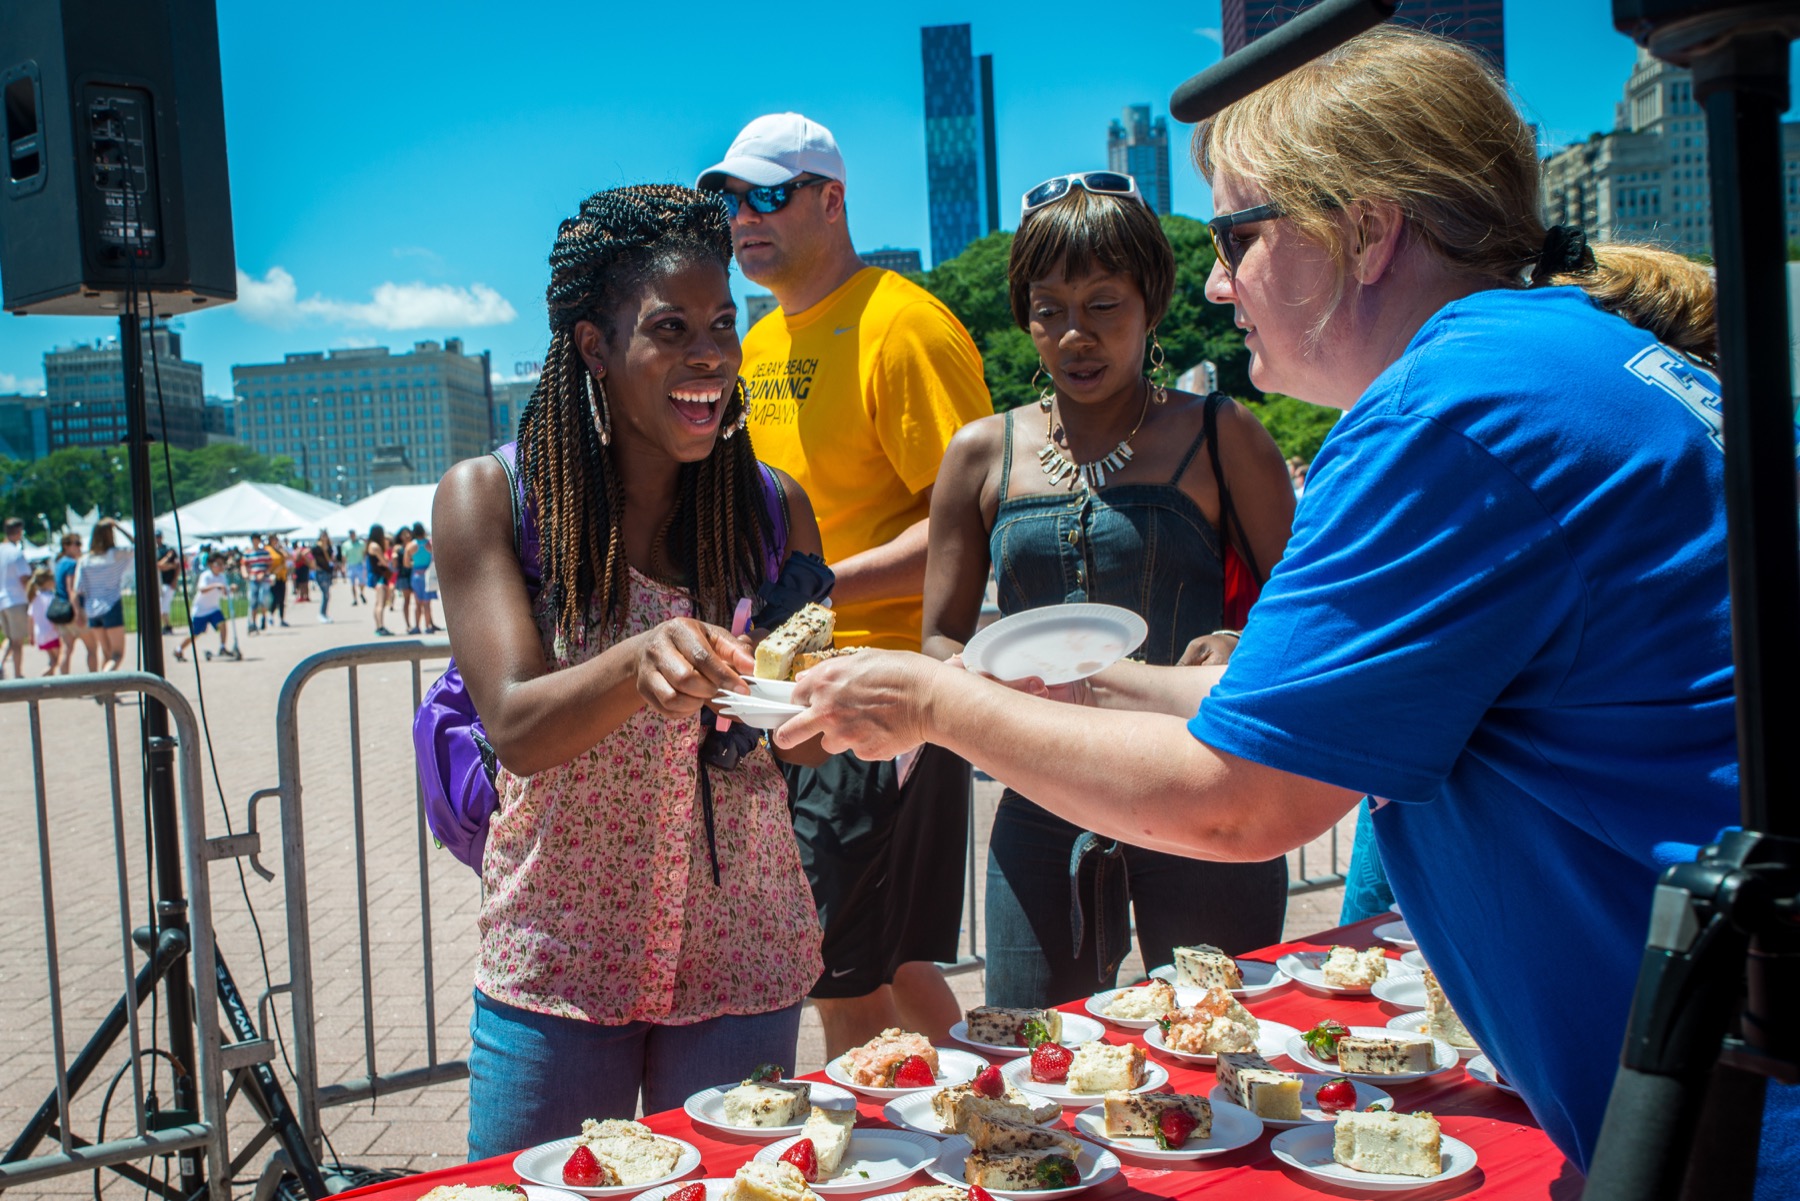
<point x="771" y="199"/>
<point x="1225" y="243"/>
<point x="1100" y="183"/>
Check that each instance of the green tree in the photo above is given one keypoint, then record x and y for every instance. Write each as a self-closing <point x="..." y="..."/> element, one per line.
<point x="1297" y="426"/>
<point x="82" y="478"/>
<point x="974" y="286"/>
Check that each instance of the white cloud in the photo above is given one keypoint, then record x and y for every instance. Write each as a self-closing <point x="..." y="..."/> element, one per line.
<point x="1211" y="34"/>
<point x="274" y="300"/>
<point x="28" y="385"/>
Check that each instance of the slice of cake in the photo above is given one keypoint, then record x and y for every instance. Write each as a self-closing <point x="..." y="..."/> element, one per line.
<point x="1134" y="1115"/>
<point x="1142" y="1004"/>
<point x="806" y="660"/>
<point x="1102" y="1067"/>
<point x="1384" y="1054"/>
<point x="957" y="1104"/>
<point x="628" y="1150"/>
<point x="778" y="1181"/>
<point x="761" y="1104"/>
<point x="1006" y="1027"/>
<point x="1214" y="1023"/>
<point x="1204" y="966"/>
<point x="808" y="630"/>
<point x="1253" y="1082"/>
<point x="829" y="1130"/>
<point x="1020" y="1171"/>
<point x="1441" y="1020"/>
<point x="874" y="1063"/>
<point x="1399" y="1144"/>
<point x="1345" y="967"/>
<point x="936" y="1192"/>
<point x="475" y="1192"/>
<point x="1004" y="1134"/>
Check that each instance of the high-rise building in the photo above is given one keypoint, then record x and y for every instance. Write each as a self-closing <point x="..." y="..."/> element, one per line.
<point x="84" y="393"/>
<point x="1139" y="147"/>
<point x="24" y="429"/>
<point x="959" y="139"/>
<point x="758" y="305"/>
<point x="1646" y="181"/>
<point x="1477" y="22"/>
<point x="355" y="421"/>
<point x="510" y="399"/>
<point x="221" y="419"/>
<point x="903" y="261"/>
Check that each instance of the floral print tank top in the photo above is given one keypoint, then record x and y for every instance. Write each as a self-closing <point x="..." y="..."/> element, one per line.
<point x="600" y="901"/>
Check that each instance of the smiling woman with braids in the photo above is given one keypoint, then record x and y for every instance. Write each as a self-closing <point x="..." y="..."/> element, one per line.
<point x="647" y="923"/>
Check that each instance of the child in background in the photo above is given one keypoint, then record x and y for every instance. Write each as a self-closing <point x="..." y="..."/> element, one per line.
<point x="40" y="592"/>
<point x="207" y="611"/>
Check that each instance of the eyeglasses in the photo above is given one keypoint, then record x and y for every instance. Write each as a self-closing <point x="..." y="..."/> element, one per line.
<point x="1225" y="243"/>
<point x="768" y="200"/>
<point x="1100" y="183"/>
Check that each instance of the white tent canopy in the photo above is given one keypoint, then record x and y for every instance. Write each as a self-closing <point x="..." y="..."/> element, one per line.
<point x="389" y="508"/>
<point x="251" y="508"/>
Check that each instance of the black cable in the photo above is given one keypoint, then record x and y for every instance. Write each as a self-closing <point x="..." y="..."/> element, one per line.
<point x="106" y="1101"/>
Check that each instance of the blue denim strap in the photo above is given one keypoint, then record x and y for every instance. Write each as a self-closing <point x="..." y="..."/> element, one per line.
<point x="1086" y="843"/>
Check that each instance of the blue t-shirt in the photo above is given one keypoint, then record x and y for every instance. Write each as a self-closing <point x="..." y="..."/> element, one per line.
<point x="65" y="571"/>
<point x="1505" y="606"/>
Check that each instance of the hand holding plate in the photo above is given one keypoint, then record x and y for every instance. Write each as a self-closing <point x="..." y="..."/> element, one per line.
<point x="872" y="704"/>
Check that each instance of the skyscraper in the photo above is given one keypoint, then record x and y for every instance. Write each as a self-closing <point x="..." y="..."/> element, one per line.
<point x="959" y="139"/>
<point x="1477" y="22"/>
<point x="1139" y="147"/>
<point x="84" y="390"/>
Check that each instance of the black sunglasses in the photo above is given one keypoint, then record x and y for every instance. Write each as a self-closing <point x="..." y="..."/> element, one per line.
<point x="1225" y="243"/>
<point x="767" y="200"/>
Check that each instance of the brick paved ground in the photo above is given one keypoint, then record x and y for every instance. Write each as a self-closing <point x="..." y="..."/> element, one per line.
<point x="419" y="1130"/>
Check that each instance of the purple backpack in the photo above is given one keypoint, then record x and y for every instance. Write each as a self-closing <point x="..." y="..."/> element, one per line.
<point x="456" y="763"/>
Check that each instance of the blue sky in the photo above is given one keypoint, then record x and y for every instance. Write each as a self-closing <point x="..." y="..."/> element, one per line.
<point x="398" y="169"/>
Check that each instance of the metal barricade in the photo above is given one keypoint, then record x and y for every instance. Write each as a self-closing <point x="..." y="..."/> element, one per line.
<point x="1298" y="880"/>
<point x="147" y="1137"/>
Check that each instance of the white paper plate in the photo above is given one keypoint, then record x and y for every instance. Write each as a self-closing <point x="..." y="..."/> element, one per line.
<point x="1097" y="1004"/>
<point x="1310" y="1113"/>
<point x="1482" y="1068"/>
<point x="1076" y="1030"/>
<point x="779" y="691"/>
<point x="874" y="1159"/>
<point x="1417" y="1023"/>
<point x="914" y="1112"/>
<point x="954" y="1067"/>
<point x="1019" y="1072"/>
<point x="707" y="1108"/>
<point x="1397" y="933"/>
<point x="543" y="1164"/>
<point x="1097" y="1165"/>
<point x="1415" y="960"/>
<point x="1059" y="644"/>
<point x="1304" y="968"/>
<point x="1271" y="1041"/>
<point x="716" y="1187"/>
<point x="1405" y="989"/>
<point x="1308" y="1149"/>
<point x="1443" y="1058"/>
<point x="1233" y="1127"/>
<point x="1258" y="977"/>
<point x="755" y="713"/>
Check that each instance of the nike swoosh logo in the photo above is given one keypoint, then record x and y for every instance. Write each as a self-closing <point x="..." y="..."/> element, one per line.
<point x="843" y="329"/>
<point x="842" y="972"/>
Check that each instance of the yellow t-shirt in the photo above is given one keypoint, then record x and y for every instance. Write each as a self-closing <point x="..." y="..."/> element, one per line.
<point x="856" y="398"/>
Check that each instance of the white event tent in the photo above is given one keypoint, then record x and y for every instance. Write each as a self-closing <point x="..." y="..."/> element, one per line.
<point x="251" y="508"/>
<point x="390" y="508"/>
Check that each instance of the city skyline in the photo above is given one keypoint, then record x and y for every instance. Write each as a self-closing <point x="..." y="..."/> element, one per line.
<point x="373" y="208"/>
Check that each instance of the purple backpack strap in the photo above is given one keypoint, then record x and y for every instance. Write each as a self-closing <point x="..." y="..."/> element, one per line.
<point x="776" y="504"/>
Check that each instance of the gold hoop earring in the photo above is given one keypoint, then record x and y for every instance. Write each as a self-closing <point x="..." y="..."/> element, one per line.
<point x="1047" y="394"/>
<point x="596" y="398"/>
<point x="1158" y="373"/>
<point x="743" y="417"/>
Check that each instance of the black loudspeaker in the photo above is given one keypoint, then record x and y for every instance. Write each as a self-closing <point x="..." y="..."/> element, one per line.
<point x="112" y="172"/>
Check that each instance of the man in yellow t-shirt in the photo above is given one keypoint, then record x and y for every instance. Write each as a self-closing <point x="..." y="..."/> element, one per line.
<point x="855" y="386"/>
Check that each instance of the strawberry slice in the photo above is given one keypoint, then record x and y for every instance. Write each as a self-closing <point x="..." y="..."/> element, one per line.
<point x="1173" y="1126"/>
<point x="977" y="1193"/>
<point x="914" y="1072"/>
<point x="1050" y="1063"/>
<point x="582" y="1170"/>
<point x="1322" y="1040"/>
<point x="805" y="1156"/>
<point x="988" y="1083"/>
<point x="1058" y="1171"/>
<point x="693" y="1192"/>
<point x="1335" y="1096"/>
<point x="763" y="1074"/>
<point x="1033" y="1032"/>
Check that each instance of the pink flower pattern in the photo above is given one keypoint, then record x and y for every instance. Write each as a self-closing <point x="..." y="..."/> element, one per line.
<point x="600" y="902"/>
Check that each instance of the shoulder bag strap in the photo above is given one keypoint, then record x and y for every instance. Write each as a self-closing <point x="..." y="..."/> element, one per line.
<point x="1214" y="402"/>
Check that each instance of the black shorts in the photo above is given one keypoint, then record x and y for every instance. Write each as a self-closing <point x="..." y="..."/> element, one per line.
<point x="886" y="863"/>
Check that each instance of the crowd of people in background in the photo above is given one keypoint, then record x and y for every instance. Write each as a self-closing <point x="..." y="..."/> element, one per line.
<point x="55" y="603"/>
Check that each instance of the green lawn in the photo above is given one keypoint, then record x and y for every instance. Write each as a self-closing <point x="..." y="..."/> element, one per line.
<point x="240" y="605"/>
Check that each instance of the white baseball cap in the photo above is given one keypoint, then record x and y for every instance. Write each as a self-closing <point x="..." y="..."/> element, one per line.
<point x="775" y="149"/>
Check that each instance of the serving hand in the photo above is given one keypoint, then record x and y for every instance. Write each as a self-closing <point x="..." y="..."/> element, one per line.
<point x="872" y="704"/>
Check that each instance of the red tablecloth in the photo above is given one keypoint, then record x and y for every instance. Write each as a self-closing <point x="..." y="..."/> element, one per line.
<point x="1516" y="1160"/>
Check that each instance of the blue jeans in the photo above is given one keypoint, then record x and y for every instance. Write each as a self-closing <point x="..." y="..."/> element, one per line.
<point x="1057" y="897"/>
<point x="534" y="1077"/>
<point x="1366" y="891"/>
<point x="323" y="581"/>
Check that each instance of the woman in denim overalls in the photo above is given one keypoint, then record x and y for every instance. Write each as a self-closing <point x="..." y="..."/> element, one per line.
<point x="1105" y="491"/>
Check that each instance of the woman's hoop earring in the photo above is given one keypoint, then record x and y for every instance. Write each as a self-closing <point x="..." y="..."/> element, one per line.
<point x="596" y="398"/>
<point x="1158" y="373"/>
<point x="1047" y="395"/>
<point x="743" y="417"/>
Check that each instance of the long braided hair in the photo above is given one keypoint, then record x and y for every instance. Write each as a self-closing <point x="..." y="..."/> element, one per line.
<point x="618" y="240"/>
